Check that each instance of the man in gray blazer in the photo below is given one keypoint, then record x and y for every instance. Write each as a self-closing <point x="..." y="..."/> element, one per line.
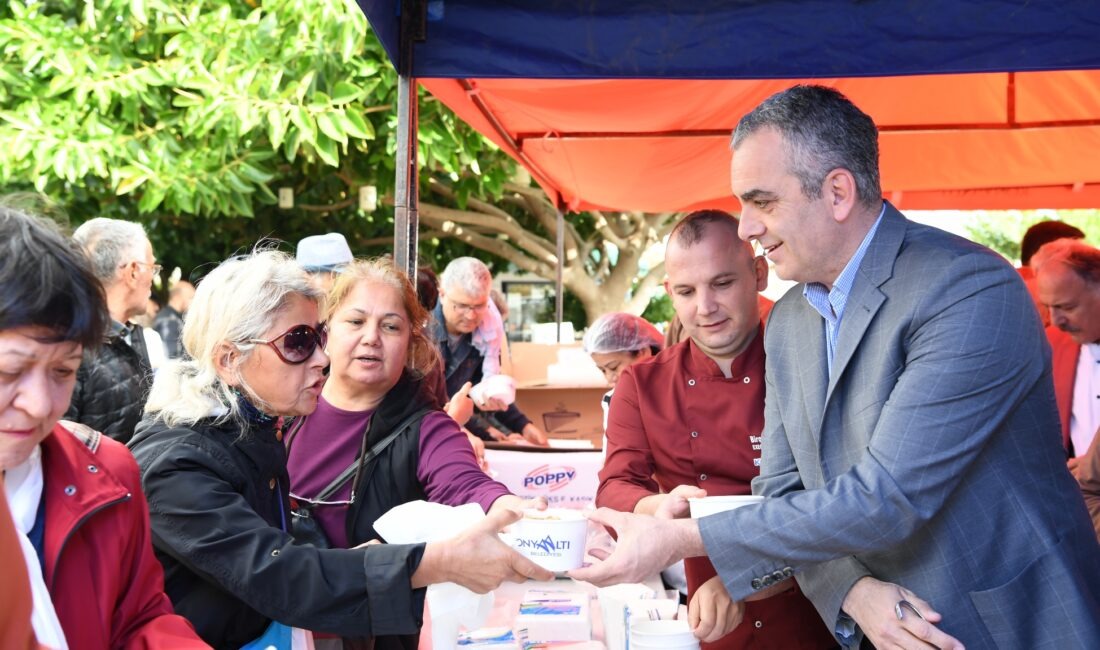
<point x="911" y="444"/>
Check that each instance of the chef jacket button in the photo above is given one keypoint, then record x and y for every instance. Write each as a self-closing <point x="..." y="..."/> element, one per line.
<point x="702" y="477"/>
<point x="758" y="624"/>
<point x="747" y="380"/>
<point x="93" y="469"/>
<point x="691" y="382"/>
<point x="70" y="490"/>
<point x="694" y="434"/>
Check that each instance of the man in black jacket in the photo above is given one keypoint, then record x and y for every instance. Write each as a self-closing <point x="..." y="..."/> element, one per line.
<point x="113" y="381"/>
<point x="463" y="302"/>
<point x="169" y="320"/>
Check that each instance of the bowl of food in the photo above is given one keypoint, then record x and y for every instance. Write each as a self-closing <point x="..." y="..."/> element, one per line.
<point x="553" y="538"/>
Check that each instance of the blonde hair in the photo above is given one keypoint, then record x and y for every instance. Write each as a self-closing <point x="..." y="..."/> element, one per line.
<point x="421" y="357"/>
<point x="236" y="302"/>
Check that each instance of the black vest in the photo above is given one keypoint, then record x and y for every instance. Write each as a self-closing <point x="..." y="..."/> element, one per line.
<point x="390" y="479"/>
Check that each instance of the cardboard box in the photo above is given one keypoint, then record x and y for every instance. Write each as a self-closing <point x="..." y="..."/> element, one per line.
<point x="554" y="616"/>
<point x="564" y="479"/>
<point x="565" y="411"/>
<point x="529" y="361"/>
<point x="570" y="413"/>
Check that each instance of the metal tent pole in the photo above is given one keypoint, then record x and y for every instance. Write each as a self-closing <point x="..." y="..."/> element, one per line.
<point x="559" y="295"/>
<point x="406" y="214"/>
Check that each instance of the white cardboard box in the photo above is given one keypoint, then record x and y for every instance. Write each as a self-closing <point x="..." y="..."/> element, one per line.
<point x="554" y="616"/>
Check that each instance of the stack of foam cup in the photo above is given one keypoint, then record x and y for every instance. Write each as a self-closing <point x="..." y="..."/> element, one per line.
<point x="613" y="600"/>
<point x="667" y="635"/>
<point x="649" y="609"/>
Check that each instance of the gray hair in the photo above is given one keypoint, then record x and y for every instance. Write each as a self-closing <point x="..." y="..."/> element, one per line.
<point x="236" y="302"/>
<point x="822" y="130"/>
<point x="110" y="244"/>
<point x="1075" y="255"/>
<point x="469" y="275"/>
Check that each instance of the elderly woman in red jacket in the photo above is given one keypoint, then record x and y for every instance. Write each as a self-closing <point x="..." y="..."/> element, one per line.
<point x="75" y="496"/>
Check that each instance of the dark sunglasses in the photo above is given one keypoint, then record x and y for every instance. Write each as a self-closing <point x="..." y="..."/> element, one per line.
<point x="297" y="344"/>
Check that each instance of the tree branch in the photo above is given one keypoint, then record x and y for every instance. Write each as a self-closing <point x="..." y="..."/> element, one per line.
<point x="382" y="241"/>
<point x="663" y="223"/>
<point x="437" y="216"/>
<point x="606" y="232"/>
<point x="504" y="223"/>
<point x="501" y="249"/>
<point x="332" y="207"/>
<point x="640" y="298"/>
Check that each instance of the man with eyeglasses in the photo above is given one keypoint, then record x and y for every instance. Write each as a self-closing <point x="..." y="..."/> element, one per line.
<point x="113" y="381"/>
<point x="463" y="304"/>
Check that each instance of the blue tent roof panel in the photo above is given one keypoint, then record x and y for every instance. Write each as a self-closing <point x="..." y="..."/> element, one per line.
<point x="743" y="39"/>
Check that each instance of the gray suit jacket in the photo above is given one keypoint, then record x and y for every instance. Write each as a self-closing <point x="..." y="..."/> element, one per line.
<point x="931" y="457"/>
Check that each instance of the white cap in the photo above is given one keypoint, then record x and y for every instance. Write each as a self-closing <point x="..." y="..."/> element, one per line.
<point x="328" y="252"/>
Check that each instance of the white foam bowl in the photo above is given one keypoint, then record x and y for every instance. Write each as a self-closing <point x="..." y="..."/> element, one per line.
<point x="553" y="538"/>
<point x="662" y="634"/>
<point x="707" y="506"/>
<point x="663" y="645"/>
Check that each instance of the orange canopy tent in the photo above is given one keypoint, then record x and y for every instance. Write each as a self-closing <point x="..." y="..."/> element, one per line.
<point x="961" y="141"/>
<point x="628" y="104"/>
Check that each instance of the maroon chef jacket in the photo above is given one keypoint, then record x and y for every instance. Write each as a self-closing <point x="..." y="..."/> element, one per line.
<point x="676" y="420"/>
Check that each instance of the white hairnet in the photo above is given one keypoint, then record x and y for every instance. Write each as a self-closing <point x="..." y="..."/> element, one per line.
<point x="621" y="332"/>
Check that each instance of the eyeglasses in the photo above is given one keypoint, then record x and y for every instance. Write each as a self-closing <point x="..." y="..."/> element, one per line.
<point x="155" y="267"/>
<point x="469" y="309"/>
<point x="297" y="344"/>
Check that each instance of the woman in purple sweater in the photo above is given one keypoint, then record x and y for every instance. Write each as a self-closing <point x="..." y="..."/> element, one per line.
<point x="379" y="437"/>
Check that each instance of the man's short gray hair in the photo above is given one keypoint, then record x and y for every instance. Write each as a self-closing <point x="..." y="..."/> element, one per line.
<point x="822" y="130"/>
<point x="1075" y="255"/>
<point x="468" y="275"/>
<point x="110" y="244"/>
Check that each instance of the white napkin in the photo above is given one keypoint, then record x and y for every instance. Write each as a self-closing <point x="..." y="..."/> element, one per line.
<point x="501" y="387"/>
<point x="452" y="606"/>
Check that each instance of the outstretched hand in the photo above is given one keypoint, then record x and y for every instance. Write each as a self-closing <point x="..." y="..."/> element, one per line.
<point x="477" y="558"/>
<point x="675" y="504"/>
<point x="461" y="407"/>
<point x="646" y="545"/>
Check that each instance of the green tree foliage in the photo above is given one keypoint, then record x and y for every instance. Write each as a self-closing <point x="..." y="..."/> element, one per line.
<point x="167" y="111"/>
<point x="191" y="115"/>
<point x="1003" y="230"/>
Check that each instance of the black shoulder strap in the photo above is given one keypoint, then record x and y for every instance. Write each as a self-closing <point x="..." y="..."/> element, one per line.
<point x="365" y="458"/>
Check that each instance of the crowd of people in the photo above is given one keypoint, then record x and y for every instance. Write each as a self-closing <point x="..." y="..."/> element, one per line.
<point x="928" y="452"/>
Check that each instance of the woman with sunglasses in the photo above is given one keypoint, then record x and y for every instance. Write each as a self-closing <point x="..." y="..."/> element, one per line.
<point x="214" y="467"/>
<point x="380" y="355"/>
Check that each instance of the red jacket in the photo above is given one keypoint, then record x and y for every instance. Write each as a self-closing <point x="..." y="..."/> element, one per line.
<point x="105" y="582"/>
<point x="1063" y="360"/>
<point x="15" y="598"/>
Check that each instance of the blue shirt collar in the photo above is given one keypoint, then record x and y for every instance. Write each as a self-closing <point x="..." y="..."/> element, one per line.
<point x="830" y="303"/>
